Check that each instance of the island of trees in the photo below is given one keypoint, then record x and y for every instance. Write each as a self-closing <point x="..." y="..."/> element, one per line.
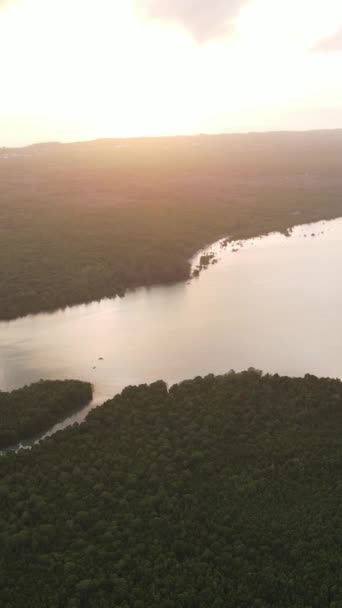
<point x="219" y="492"/>
<point x="31" y="410"/>
<point x="79" y="222"/>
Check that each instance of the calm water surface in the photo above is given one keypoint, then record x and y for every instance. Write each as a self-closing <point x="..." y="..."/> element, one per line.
<point x="274" y="304"/>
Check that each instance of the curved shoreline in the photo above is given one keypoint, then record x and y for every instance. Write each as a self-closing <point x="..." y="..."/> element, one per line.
<point x="231" y="246"/>
<point x="204" y="250"/>
<point x="234" y="236"/>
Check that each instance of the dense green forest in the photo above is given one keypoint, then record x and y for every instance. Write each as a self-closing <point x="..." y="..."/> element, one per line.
<point x="82" y="221"/>
<point x="30" y="410"/>
<point x="219" y="492"/>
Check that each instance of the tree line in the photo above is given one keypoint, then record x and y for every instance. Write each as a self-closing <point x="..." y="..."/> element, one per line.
<point x="220" y="491"/>
<point x="33" y="409"/>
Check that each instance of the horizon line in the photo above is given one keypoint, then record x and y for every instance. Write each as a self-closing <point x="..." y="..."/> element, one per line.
<point x="165" y="136"/>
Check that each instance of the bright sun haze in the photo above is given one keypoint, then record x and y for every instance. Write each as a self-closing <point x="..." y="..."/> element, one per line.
<point x="79" y="69"/>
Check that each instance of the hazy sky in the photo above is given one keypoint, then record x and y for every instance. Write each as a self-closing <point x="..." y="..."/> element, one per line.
<point x="81" y="69"/>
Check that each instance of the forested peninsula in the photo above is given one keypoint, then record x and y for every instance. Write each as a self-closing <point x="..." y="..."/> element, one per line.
<point x="28" y="411"/>
<point x="83" y="221"/>
<point x="220" y="491"/>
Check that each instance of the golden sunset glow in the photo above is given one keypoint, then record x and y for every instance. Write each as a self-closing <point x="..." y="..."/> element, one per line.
<point x="79" y="69"/>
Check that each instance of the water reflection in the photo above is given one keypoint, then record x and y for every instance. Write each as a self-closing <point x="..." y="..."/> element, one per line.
<point x="273" y="304"/>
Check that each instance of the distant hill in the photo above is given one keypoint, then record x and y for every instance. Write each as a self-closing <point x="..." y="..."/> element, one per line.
<point x="306" y="146"/>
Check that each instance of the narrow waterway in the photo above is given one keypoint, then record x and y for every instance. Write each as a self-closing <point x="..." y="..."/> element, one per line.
<point x="273" y="303"/>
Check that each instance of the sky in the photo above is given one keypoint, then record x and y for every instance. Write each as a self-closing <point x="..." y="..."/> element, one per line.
<point x="85" y="69"/>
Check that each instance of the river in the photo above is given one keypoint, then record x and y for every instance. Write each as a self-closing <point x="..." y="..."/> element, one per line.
<point x="272" y="302"/>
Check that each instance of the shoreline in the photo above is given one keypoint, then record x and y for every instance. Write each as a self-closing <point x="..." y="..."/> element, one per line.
<point x="232" y="238"/>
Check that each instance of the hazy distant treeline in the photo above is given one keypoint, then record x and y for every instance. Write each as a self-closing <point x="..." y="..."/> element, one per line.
<point x="82" y="221"/>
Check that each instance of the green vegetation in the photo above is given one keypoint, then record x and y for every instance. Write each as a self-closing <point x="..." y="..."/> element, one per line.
<point x="221" y="492"/>
<point x="31" y="410"/>
<point x="82" y="221"/>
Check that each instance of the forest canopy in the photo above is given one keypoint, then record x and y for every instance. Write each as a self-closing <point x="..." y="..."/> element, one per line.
<point x="79" y="222"/>
<point x="30" y="410"/>
<point x="220" y="491"/>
